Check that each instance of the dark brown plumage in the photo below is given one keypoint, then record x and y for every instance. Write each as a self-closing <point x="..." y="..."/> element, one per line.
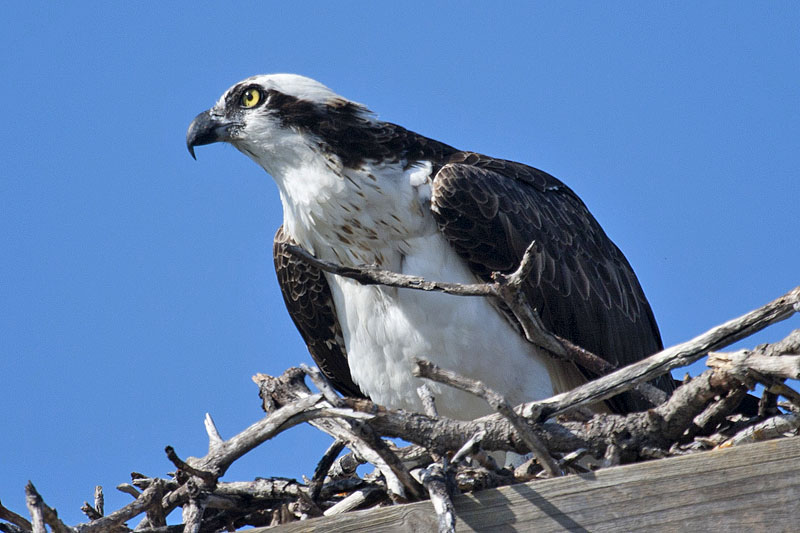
<point x="308" y="299"/>
<point x="584" y="289"/>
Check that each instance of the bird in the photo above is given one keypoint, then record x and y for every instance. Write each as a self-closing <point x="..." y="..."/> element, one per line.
<point x="356" y="191"/>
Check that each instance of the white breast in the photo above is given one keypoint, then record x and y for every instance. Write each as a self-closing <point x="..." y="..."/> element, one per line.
<point x="385" y="329"/>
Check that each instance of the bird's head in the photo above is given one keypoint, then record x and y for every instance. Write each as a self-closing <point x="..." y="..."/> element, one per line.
<point x="274" y="118"/>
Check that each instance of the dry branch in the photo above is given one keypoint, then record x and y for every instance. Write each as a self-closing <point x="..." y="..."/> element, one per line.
<point x="117" y="518"/>
<point x="323" y="467"/>
<point x="773" y="360"/>
<point x="434" y="478"/>
<point x="15" y="519"/>
<point x="360" y="438"/>
<point x="506" y="287"/>
<point x="355" y="500"/>
<point x="36" y="507"/>
<point x="42" y="514"/>
<point x="428" y="370"/>
<point x="662" y="362"/>
<point x="437" y="478"/>
<point x="771" y="428"/>
<point x="99" y="500"/>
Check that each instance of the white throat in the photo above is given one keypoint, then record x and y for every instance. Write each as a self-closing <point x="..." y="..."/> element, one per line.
<point x="354" y="216"/>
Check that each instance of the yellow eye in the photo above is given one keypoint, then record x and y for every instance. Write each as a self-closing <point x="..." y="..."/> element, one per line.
<point x="251" y="98"/>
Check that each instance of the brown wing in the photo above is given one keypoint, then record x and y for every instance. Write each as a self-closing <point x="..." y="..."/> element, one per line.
<point x="308" y="300"/>
<point x="583" y="287"/>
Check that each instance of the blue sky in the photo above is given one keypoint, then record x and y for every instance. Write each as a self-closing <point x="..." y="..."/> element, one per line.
<point x="136" y="285"/>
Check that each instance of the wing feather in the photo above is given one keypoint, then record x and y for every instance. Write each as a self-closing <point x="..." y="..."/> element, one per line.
<point x="585" y="290"/>
<point x="309" y="302"/>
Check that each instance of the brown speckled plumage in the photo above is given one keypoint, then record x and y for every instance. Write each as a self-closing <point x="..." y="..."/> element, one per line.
<point x="308" y="299"/>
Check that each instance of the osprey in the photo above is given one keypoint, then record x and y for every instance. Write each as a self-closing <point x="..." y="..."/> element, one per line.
<point x="356" y="190"/>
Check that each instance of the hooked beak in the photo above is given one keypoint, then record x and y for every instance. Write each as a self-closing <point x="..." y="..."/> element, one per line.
<point x="206" y="129"/>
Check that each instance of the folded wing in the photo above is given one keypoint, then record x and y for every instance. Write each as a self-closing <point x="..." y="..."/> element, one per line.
<point x="584" y="289"/>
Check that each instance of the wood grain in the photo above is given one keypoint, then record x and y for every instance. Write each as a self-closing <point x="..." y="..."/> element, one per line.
<point x="753" y="487"/>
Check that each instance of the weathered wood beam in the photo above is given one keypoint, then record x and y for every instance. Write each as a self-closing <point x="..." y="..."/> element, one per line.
<point x="745" y="488"/>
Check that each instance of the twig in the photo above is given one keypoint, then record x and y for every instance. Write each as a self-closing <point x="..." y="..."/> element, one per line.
<point x="346" y="465"/>
<point x="36" y="507"/>
<point x="435" y="481"/>
<point x="509" y="289"/>
<point x="323" y="467"/>
<point x="127" y="488"/>
<point x="436" y="477"/>
<point x="371" y="275"/>
<point x="111" y="521"/>
<point x="429" y="408"/>
<point x="261" y="488"/>
<point x="10" y="516"/>
<point x="768" y="364"/>
<point x="214" y="438"/>
<point x="226" y="453"/>
<point x="570" y="458"/>
<point x="743" y="361"/>
<point x="788" y="345"/>
<point x="156" y="515"/>
<point x="387" y="457"/>
<point x="99" y="500"/>
<point x="768" y="429"/>
<point x="193" y="513"/>
<point x="208" y="477"/>
<point x="428" y="370"/>
<point x="306" y="506"/>
<point x="90" y="512"/>
<point x="42" y="514"/>
<point x="786" y="391"/>
<point x="428" y="402"/>
<point x="360" y="438"/>
<point x="322" y="383"/>
<point x="716" y="412"/>
<point x="469" y="447"/>
<point x="355" y="500"/>
<point x="662" y="362"/>
<point x="220" y="458"/>
<point x="768" y="404"/>
<point x="506" y="287"/>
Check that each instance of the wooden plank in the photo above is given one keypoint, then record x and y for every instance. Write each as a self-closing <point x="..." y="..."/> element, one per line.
<point x="753" y="487"/>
